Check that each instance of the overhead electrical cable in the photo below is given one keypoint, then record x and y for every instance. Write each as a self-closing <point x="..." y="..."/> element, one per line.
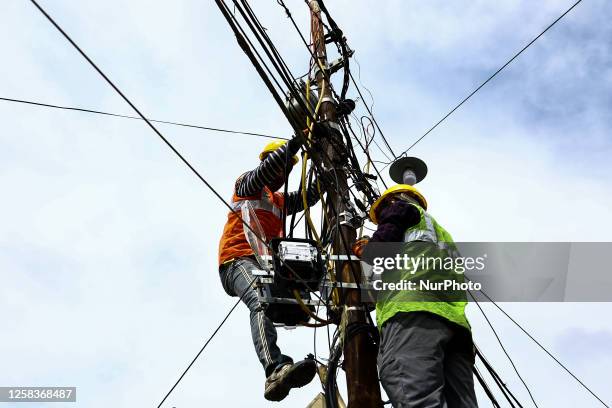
<point x="307" y="45"/>
<point x="348" y="74"/>
<point x="501" y="344"/>
<point x="163" y="138"/>
<point x="249" y="48"/>
<point x="464" y="100"/>
<point x="382" y="135"/>
<point x="125" y="98"/>
<point x="545" y="349"/>
<point x="366" y="151"/>
<point x="147" y="121"/>
<point x="505" y="390"/>
<point x="272" y="53"/>
<point x="118" y="115"/>
<point x="260" y="32"/>
<point x="274" y="58"/>
<point x="257" y="60"/>
<point x="371" y="105"/>
<point x="214" y="333"/>
<point x="485" y="387"/>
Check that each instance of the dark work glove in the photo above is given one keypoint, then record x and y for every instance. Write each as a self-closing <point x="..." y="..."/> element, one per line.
<point x="294" y="145"/>
<point x="400" y="213"/>
<point x="388" y="232"/>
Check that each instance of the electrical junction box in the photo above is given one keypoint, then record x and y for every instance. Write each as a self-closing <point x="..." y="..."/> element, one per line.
<point x="290" y="251"/>
<point x="297" y="263"/>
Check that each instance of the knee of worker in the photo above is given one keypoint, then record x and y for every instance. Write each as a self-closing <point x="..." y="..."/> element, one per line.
<point x="411" y="384"/>
<point x="458" y="370"/>
<point x="252" y="301"/>
<point x="413" y="381"/>
<point x="459" y="388"/>
<point x="254" y="305"/>
<point x="411" y="373"/>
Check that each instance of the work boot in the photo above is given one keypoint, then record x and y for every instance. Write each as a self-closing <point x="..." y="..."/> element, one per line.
<point x="289" y="376"/>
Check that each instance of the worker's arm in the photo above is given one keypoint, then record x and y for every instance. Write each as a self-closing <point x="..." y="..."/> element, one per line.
<point x="295" y="201"/>
<point x="268" y="171"/>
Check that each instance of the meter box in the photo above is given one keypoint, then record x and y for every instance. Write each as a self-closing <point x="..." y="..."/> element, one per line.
<point x="297" y="263"/>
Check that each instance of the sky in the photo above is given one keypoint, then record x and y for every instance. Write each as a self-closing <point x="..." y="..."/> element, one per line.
<point x="108" y="245"/>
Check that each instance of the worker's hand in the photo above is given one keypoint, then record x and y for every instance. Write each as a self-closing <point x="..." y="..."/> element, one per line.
<point x="359" y="245"/>
<point x="300" y="137"/>
<point x="400" y="213"/>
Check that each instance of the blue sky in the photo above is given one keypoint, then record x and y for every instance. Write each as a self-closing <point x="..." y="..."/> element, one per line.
<point x="108" y="246"/>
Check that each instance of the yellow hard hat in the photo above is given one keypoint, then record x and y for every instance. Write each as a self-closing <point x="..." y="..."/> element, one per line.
<point x="397" y="189"/>
<point x="272" y="146"/>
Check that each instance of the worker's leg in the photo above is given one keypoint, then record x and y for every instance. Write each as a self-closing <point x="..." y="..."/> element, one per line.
<point x="411" y="359"/>
<point x="237" y="279"/>
<point x="458" y="364"/>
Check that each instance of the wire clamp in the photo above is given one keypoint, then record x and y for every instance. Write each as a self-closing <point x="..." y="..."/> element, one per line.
<point x="352" y="217"/>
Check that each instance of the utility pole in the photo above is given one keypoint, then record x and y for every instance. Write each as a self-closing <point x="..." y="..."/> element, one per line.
<point x="359" y="354"/>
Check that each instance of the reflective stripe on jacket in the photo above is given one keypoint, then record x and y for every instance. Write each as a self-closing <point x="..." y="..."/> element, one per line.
<point x="427" y="231"/>
<point x="269" y="208"/>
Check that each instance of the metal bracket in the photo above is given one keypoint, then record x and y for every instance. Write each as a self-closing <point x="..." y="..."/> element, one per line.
<point x="265" y="280"/>
<point x="355" y="309"/>
<point x="334" y="125"/>
<point x="352" y="217"/>
<point x="334" y="66"/>
<point x="341" y="258"/>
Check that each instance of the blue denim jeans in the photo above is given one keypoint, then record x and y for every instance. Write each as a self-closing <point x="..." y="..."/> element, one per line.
<point x="236" y="278"/>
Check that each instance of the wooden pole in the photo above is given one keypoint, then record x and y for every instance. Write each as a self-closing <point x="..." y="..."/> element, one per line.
<point x="359" y="353"/>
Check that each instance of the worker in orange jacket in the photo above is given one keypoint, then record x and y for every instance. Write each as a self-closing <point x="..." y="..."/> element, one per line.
<point x="258" y="188"/>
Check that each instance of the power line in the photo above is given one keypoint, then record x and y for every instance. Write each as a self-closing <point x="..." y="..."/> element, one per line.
<point x="261" y="66"/>
<point x="125" y="98"/>
<point x="382" y="135"/>
<point x="297" y="29"/>
<point x="313" y="56"/>
<point x="485" y="387"/>
<point x="505" y="390"/>
<point x="545" y="349"/>
<point x="370" y="107"/>
<point x="163" y="138"/>
<point x="118" y="115"/>
<point x="504" y="349"/>
<point x="204" y="346"/>
<point x="142" y="117"/>
<point x="148" y="122"/>
<point x="490" y="78"/>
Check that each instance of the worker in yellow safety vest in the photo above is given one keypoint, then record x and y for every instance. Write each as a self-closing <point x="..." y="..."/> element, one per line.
<point x="426" y="351"/>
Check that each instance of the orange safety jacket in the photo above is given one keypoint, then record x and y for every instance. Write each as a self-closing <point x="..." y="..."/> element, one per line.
<point x="268" y="207"/>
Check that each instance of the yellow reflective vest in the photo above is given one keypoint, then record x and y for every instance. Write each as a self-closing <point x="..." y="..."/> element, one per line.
<point x="427" y="239"/>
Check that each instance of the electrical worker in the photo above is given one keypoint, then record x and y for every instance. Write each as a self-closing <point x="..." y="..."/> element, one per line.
<point x="259" y="187"/>
<point x="426" y="352"/>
